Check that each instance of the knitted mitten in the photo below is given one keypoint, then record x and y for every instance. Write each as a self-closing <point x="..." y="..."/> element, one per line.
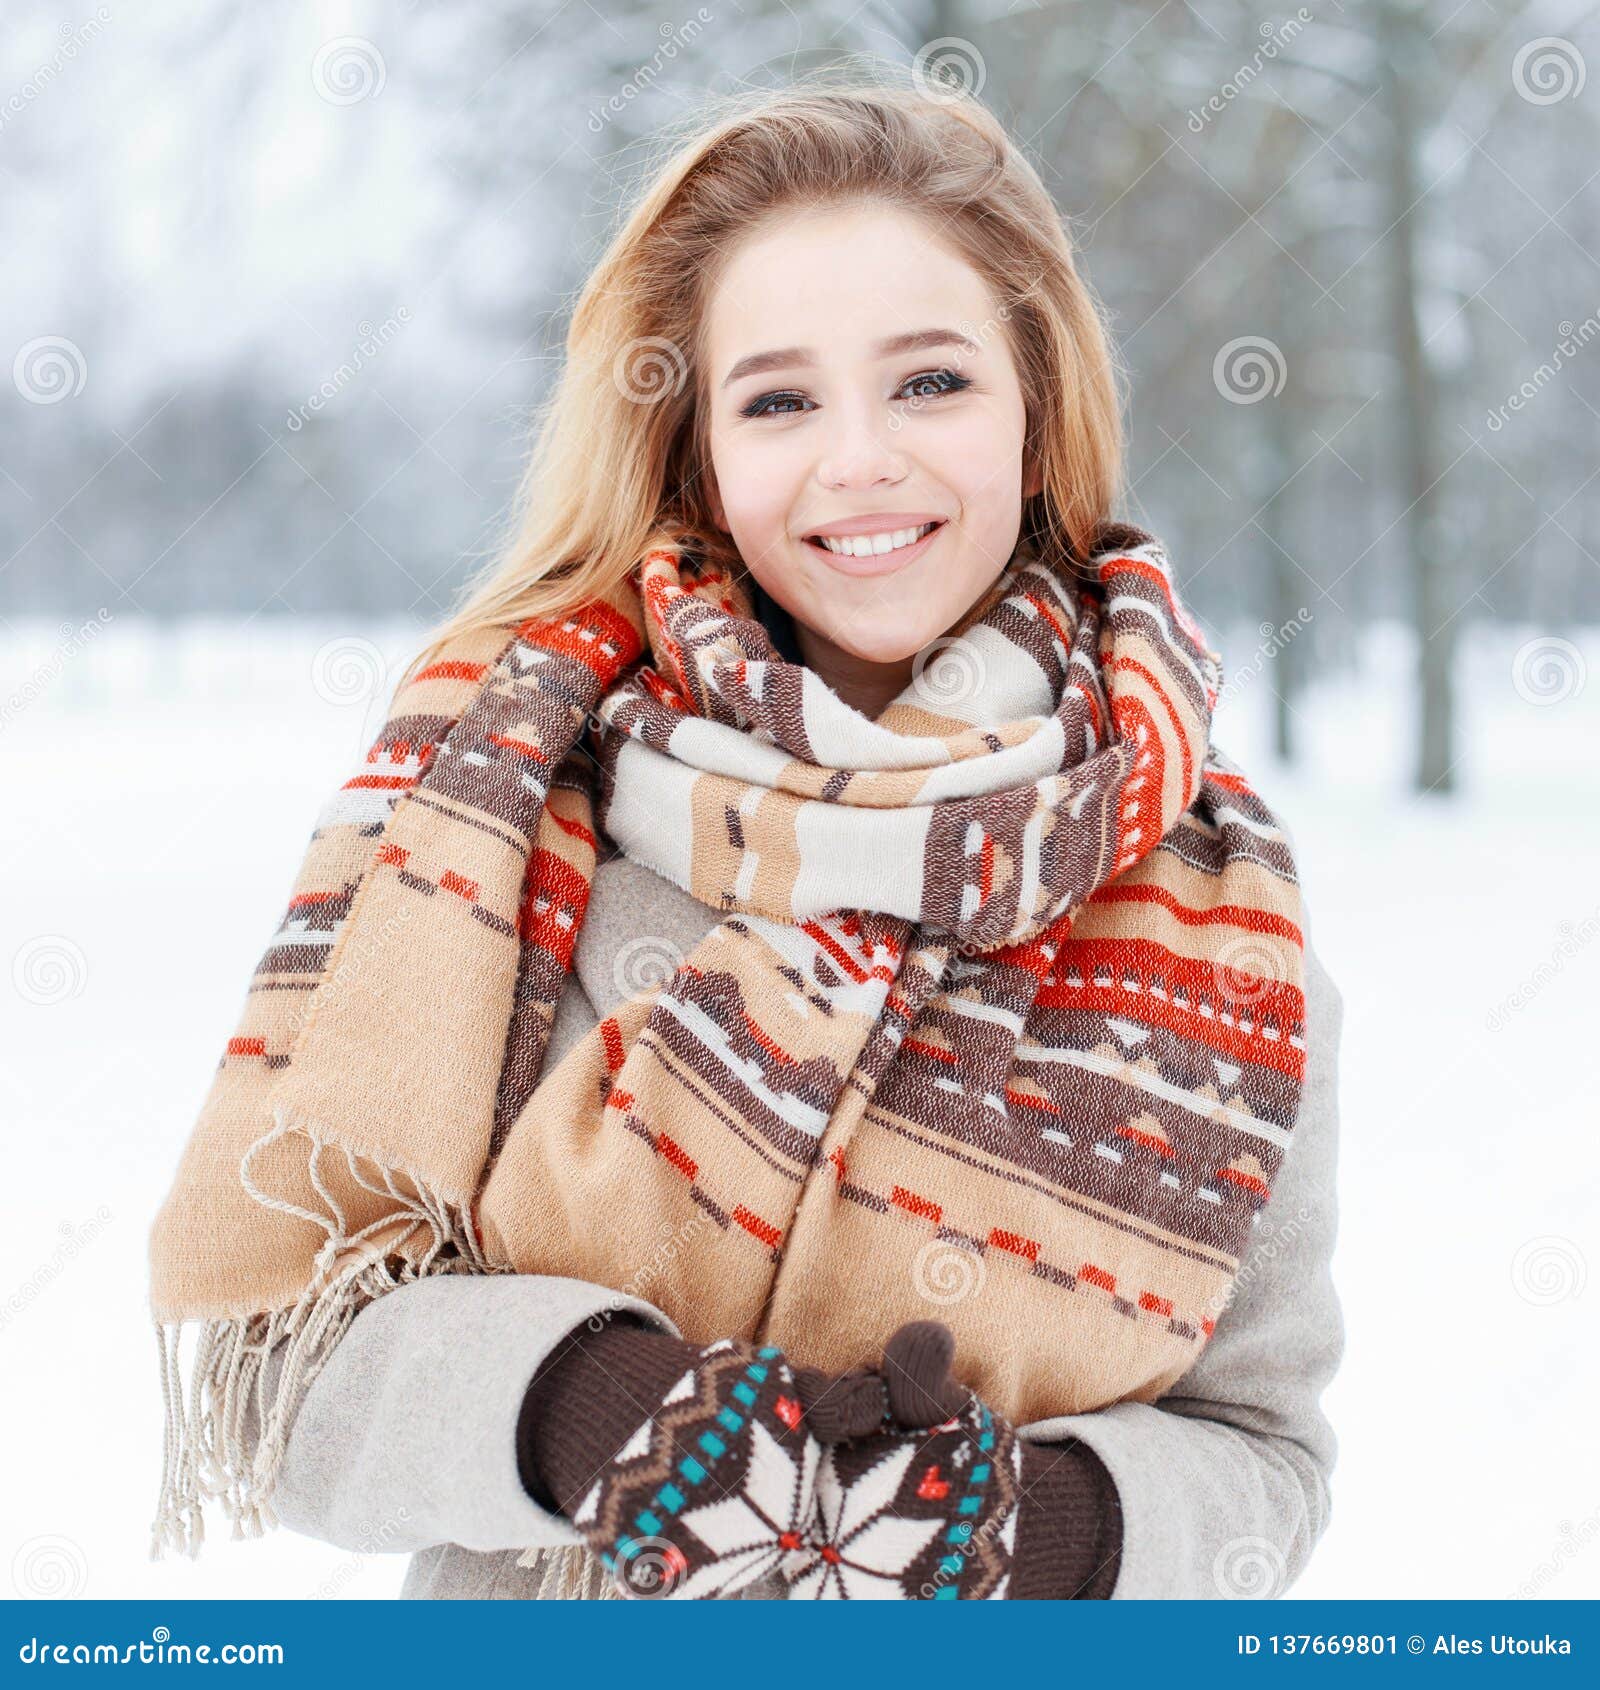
<point x="690" y="1470"/>
<point x="945" y="1502"/>
<point x="915" y="1515"/>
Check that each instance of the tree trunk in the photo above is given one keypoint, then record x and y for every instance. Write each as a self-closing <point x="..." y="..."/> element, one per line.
<point x="1406" y="59"/>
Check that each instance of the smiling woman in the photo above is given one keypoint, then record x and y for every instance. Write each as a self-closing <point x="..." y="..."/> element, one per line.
<point x="785" y="1082"/>
<point x="873" y="495"/>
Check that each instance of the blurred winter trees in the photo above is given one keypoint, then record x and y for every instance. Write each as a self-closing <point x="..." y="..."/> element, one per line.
<point x="281" y="285"/>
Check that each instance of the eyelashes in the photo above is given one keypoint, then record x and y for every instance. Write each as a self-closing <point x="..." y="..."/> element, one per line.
<point x="952" y="383"/>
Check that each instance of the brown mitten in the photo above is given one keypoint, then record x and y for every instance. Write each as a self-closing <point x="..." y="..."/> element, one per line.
<point x="945" y="1502"/>
<point x="690" y="1469"/>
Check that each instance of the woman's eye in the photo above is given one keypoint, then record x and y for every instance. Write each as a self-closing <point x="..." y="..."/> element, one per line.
<point x="948" y="382"/>
<point x="758" y="407"/>
<point x="785" y="404"/>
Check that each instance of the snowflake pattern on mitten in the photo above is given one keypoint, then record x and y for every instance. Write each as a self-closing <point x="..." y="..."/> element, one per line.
<point x="715" y="1486"/>
<point x="925" y="1515"/>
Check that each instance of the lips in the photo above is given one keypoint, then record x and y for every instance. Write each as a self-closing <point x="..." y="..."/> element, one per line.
<point x="877" y="563"/>
<point x="875" y="541"/>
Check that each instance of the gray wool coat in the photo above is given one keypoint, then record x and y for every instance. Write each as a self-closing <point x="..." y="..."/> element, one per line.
<point x="405" y="1441"/>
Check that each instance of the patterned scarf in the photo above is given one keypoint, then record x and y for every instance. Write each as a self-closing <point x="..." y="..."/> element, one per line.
<point x="1002" y="1022"/>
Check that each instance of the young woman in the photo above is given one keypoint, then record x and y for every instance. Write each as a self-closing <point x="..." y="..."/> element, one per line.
<point x="795" y="1068"/>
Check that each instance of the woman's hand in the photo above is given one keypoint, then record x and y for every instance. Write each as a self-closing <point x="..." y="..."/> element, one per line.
<point x="925" y="1506"/>
<point x="943" y="1501"/>
<point x="689" y="1469"/>
<point x="894" y="1481"/>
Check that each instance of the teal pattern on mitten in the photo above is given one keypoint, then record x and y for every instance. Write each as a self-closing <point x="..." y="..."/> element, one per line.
<point x="715" y="1487"/>
<point x="926" y="1515"/>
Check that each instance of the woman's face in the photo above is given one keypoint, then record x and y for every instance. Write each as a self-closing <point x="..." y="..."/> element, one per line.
<point x="862" y="388"/>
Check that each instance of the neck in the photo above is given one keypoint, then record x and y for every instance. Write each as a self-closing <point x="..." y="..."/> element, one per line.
<point x="864" y="685"/>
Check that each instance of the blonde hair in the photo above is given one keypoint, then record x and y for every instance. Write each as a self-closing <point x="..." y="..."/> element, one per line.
<point x="620" y="452"/>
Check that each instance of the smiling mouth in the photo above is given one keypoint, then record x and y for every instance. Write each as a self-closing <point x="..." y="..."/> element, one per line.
<point x="873" y="545"/>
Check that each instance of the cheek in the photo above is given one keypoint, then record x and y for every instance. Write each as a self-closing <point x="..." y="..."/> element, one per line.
<point x="983" y="458"/>
<point x="755" y="487"/>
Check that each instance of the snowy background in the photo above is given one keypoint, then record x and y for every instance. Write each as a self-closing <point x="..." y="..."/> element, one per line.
<point x="209" y="505"/>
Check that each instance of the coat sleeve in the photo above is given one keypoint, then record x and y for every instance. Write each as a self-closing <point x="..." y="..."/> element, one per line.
<point x="1224" y="1481"/>
<point x="406" y="1437"/>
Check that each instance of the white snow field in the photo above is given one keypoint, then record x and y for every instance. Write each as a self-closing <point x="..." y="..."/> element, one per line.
<point x="155" y="817"/>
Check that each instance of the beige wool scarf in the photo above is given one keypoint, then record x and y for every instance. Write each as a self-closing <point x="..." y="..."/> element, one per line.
<point x="1002" y="1022"/>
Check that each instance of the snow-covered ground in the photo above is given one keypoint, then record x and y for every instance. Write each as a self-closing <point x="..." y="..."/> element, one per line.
<point x="156" y="816"/>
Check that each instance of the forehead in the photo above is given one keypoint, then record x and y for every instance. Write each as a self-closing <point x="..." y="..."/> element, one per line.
<point x="839" y="281"/>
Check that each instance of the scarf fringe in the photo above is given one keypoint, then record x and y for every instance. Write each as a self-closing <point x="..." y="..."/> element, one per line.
<point x="205" y="1449"/>
<point x="570" y="1572"/>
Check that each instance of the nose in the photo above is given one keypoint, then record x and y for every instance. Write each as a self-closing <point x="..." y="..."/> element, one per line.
<point x="859" y="456"/>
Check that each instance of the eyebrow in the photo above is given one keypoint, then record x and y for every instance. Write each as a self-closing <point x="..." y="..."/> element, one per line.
<point x="788" y="357"/>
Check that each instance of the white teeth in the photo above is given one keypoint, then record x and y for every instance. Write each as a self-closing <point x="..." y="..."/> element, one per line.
<point x="870" y="545"/>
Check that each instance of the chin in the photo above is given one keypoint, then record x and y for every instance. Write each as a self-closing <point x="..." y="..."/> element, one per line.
<point x="886" y="647"/>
